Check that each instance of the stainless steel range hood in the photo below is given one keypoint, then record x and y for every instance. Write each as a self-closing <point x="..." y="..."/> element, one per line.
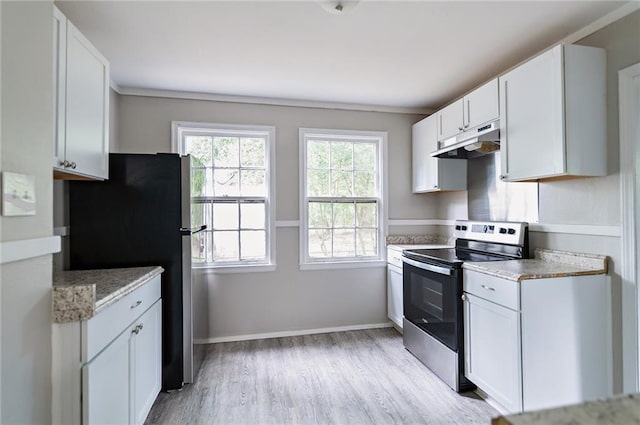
<point x="472" y="143"/>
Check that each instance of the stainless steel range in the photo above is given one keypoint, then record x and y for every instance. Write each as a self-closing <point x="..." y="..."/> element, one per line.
<point x="432" y="284"/>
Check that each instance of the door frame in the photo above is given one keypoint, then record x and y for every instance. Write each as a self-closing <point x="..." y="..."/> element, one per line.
<point x="629" y="108"/>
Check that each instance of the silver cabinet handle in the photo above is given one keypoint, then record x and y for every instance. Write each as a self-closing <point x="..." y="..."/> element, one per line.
<point x="65" y="163"/>
<point x="466" y="126"/>
<point x="463" y="297"/>
<point x="141" y="325"/>
<point x="136" y="304"/>
<point x="137" y="329"/>
<point x="73" y="165"/>
<point x="488" y="288"/>
<point x="460" y="128"/>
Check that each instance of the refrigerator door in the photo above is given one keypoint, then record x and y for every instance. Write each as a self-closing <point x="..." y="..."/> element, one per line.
<point x="134" y="219"/>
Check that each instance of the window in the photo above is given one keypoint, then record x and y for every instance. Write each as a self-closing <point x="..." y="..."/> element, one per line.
<point x="341" y="213"/>
<point x="231" y="192"/>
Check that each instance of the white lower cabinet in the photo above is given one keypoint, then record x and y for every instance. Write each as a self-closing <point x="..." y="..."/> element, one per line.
<point x="538" y="343"/>
<point x="492" y="350"/>
<point x="395" y="310"/>
<point x="108" y="369"/>
<point x="121" y="383"/>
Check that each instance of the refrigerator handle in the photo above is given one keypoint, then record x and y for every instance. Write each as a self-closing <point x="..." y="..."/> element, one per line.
<point x="187" y="231"/>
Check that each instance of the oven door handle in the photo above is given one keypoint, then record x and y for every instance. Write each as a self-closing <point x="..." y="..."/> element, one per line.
<point x="425" y="266"/>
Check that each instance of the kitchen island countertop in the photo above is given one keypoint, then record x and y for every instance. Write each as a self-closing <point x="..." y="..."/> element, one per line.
<point x="81" y="294"/>
<point x="546" y="264"/>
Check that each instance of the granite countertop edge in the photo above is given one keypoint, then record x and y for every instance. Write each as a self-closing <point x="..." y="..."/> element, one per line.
<point x="81" y="294"/>
<point x="546" y="264"/>
<point x="120" y="293"/>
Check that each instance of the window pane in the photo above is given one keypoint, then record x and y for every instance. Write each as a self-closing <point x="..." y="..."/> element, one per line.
<point x="319" y="214"/>
<point x="318" y="183"/>
<point x="341" y="183"/>
<point x="225" y="182"/>
<point x="365" y="184"/>
<point x="366" y="242"/>
<point x="366" y="215"/>
<point x="342" y="155"/>
<point x="252" y="152"/>
<point x="320" y="243"/>
<point x="199" y="182"/>
<point x="344" y="214"/>
<point x="225" y="246"/>
<point x="200" y="214"/>
<point x="364" y="156"/>
<point x="225" y="151"/>
<point x="199" y="247"/>
<point x="253" y="183"/>
<point x="344" y="243"/>
<point x="318" y="154"/>
<point x="253" y="245"/>
<point x="252" y="216"/>
<point x="200" y="149"/>
<point x="225" y="216"/>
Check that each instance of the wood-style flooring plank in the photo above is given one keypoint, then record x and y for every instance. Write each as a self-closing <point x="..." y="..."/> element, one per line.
<point x="357" y="377"/>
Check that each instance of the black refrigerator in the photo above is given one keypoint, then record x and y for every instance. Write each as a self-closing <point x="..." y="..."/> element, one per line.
<point x="141" y="217"/>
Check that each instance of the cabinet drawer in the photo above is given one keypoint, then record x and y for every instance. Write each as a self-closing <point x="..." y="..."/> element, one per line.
<point x="104" y="327"/>
<point x="394" y="257"/>
<point x="500" y="291"/>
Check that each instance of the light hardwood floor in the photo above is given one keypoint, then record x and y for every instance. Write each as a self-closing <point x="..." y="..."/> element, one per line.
<point x="358" y="377"/>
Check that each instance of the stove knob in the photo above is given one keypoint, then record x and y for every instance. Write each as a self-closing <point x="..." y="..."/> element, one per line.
<point x="511" y="231"/>
<point x="463" y="227"/>
<point x="458" y="227"/>
<point x="503" y="230"/>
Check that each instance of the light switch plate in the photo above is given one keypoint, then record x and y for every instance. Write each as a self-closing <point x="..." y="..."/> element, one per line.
<point x="18" y="194"/>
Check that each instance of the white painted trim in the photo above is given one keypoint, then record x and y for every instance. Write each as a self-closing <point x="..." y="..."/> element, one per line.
<point x="287" y="223"/>
<point x="629" y="133"/>
<point x="61" y="231"/>
<point x="28" y="248"/>
<point x="252" y="268"/>
<point x="115" y="87"/>
<point x="576" y="229"/>
<point x="609" y="18"/>
<point x="420" y="222"/>
<point x="282" y="334"/>
<point x="341" y="265"/>
<point x="298" y="103"/>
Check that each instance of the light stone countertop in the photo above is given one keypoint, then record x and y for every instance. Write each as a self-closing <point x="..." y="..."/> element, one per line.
<point x="81" y="294"/>
<point x="401" y="248"/>
<point x="546" y="264"/>
<point x="420" y="240"/>
<point x="618" y="410"/>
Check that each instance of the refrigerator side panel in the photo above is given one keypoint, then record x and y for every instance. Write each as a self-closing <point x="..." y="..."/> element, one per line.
<point x="190" y="369"/>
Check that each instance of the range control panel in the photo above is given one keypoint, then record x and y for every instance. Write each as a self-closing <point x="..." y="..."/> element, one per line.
<point x="508" y="232"/>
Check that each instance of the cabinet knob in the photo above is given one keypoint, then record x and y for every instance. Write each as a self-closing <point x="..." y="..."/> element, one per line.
<point x="137" y="304"/>
<point x="73" y="165"/>
<point x="435" y="186"/>
<point x="65" y="163"/>
<point x="463" y="297"/>
<point x="502" y="177"/>
<point x="466" y="126"/>
<point x="460" y="128"/>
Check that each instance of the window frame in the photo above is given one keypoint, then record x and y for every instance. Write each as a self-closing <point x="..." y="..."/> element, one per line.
<point x="179" y="129"/>
<point x="380" y="139"/>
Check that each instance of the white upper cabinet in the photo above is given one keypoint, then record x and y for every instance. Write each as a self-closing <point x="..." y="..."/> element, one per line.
<point x="553" y="120"/>
<point x="81" y="147"/>
<point x="434" y="174"/>
<point x="476" y="108"/>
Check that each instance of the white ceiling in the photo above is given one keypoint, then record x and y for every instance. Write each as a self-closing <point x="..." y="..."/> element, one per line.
<point x="416" y="54"/>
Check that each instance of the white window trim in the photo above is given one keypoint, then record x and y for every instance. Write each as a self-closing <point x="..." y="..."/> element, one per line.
<point x="380" y="137"/>
<point x="191" y="127"/>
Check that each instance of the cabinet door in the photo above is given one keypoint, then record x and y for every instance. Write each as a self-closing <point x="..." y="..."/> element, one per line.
<point x="492" y="351"/>
<point x="394" y="295"/>
<point x="425" y="167"/>
<point x="59" y="85"/>
<point x="481" y="105"/>
<point x="147" y="362"/>
<point x="106" y="384"/>
<point x="87" y="107"/>
<point x="531" y="125"/>
<point x="450" y="120"/>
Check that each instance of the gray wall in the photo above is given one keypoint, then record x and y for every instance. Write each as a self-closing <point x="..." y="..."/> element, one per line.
<point x="287" y="299"/>
<point x="27" y="134"/>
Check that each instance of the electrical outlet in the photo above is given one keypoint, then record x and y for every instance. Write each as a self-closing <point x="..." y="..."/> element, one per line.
<point x="18" y="194"/>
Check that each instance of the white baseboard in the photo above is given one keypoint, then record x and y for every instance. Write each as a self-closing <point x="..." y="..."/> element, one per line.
<point x="491" y="402"/>
<point x="281" y="334"/>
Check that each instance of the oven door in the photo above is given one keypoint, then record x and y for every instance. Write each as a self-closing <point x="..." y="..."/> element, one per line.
<point x="430" y="299"/>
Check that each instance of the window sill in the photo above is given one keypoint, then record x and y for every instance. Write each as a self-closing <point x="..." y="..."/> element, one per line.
<point x="344" y="265"/>
<point x="249" y="268"/>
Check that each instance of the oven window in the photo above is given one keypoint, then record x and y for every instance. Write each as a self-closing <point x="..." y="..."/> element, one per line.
<point x="430" y="303"/>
